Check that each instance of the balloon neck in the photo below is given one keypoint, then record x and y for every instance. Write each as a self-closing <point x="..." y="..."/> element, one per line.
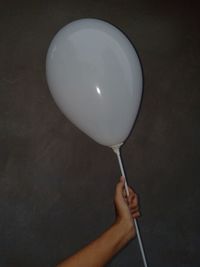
<point x="116" y="148"/>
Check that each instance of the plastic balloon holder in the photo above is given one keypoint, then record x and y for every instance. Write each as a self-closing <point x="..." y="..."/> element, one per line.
<point x="95" y="77"/>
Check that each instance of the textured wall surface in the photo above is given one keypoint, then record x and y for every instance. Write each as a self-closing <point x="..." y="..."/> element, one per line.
<point x="57" y="185"/>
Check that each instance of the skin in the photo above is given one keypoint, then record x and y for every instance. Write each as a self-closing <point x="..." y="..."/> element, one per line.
<point x="99" y="252"/>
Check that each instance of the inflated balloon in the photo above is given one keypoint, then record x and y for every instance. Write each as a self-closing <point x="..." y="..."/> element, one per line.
<point x="95" y="77"/>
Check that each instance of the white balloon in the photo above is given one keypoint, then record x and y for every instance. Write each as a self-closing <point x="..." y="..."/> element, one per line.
<point x="95" y="77"/>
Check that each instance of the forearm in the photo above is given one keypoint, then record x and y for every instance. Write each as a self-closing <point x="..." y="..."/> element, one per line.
<point x="100" y="251"/>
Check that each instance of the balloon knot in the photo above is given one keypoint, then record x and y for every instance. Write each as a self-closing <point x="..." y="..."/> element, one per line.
<point x="116" y="148"/>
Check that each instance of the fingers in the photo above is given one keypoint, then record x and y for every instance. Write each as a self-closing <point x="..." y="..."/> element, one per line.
<point x="126" y="205"/>
<point x="135" y="215"/>
<point x="133" y="204"/>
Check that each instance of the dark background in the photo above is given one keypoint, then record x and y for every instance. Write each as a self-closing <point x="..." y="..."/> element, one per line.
<point x="56" y="184"/>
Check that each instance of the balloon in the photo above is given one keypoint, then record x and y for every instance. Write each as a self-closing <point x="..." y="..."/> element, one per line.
<point x="95" y="78"/>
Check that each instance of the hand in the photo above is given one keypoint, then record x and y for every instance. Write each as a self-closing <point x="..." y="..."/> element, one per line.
<point x="101" y="250"/>
<point x="126" y="208"/>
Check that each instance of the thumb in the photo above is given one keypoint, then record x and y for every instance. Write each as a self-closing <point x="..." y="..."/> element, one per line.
<point x="119" y="191"/>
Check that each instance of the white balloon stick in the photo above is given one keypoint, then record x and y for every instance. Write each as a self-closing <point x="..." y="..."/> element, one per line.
<point x="116" y="149"/>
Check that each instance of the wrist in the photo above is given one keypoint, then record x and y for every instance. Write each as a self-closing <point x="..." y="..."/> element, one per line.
<point x="126" y="229"/>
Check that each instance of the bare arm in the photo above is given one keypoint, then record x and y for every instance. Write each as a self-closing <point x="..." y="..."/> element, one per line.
<point x="101" y="250"/>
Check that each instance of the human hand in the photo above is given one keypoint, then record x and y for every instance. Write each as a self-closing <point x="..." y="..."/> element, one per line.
<point x="127" y="208"/>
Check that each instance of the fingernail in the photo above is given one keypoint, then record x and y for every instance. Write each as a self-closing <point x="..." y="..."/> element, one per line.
<point x="122" y="178"/>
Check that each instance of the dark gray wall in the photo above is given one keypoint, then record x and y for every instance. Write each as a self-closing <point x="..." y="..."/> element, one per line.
<point x="56" y="185"/>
